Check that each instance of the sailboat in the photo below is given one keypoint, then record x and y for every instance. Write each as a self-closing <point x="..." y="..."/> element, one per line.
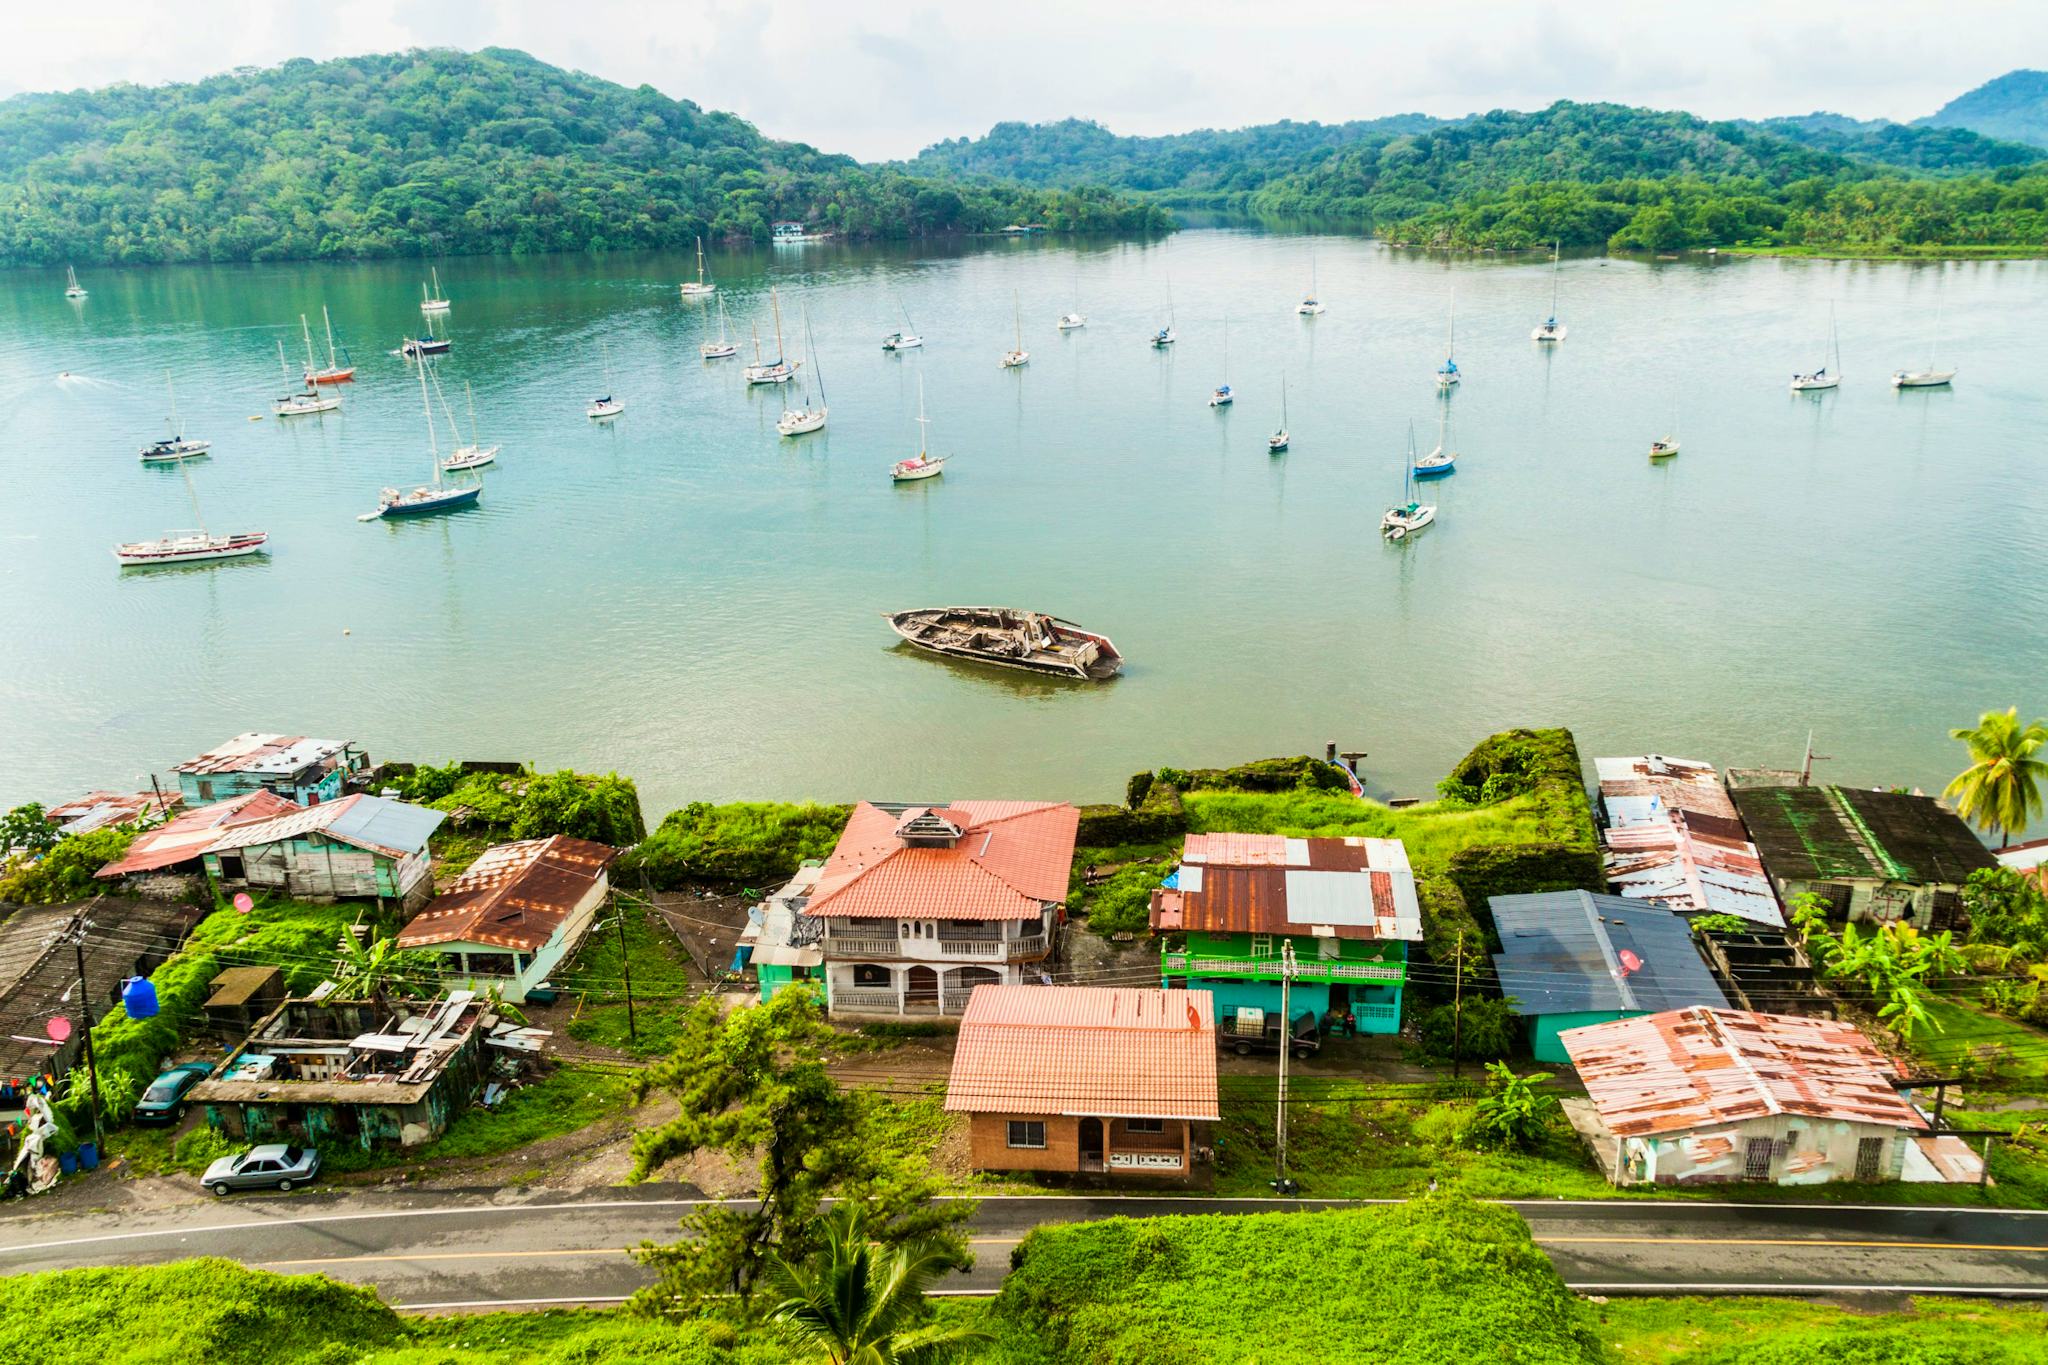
<point x="1310" y="305"/>
<point x="336" y="372"/>
<point x="72" y="288"/>
<point x="1551" y="329"/>
<point x="1443" y="460"/>
<point x="721" y="349"/>
<point x="1828" y="376"/>
<point x="427" y="498"/>
<point x="778" y="370"/>
<point x="429" y="344"/>
<point x="433" y="303"/>
<point x="1277" y="442"/>
<point x="1069" y="321"/>
<point x="797" y="421"/>
<point x="190" y="547"/>
<point x="606" y="406"/>
<point x="1221" y="396"/>
<point x="1665" y="447"/>
<point x="921" y="465"/>
<point x="173" y="447"/>
<point x="301" y="404"/>
<point x="1165" y="336"/>
<point x="1932" y="377"/>
<point x="475" y="455"/>
<point x="1409" y="515"/>
<point x="1017" y="356"/>
<point x="1447" y="373"/>
<point x="905" y="340"/>
<point x="698" y="288"/>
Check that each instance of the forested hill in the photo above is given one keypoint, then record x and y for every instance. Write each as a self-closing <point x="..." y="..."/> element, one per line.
<point x="2015" y="106"/>
<point x="445" y="152"/>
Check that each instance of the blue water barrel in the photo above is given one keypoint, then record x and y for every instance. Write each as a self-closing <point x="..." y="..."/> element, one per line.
<point x="138" y="997"/>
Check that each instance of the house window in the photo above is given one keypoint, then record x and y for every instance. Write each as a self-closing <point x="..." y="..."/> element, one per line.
<point x="1144" y="1125"/>
<point x="1262" y="945"/>
<point x="1869" y="1153"/>
<point x="1027" y="1133"/>
<point x="866" y="974"/>
<point x="231" y="867"/>
<point x="1947" y="912"/>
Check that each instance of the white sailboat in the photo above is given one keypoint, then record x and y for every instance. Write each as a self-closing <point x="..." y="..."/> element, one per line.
<point x="1278" y="441"/>
<point x="1018" y="355"/>
<point x="301" y="404"/>
<point x="173" y="447"/>
<point x="1829" y="375"/>
<point x="476" y="454"/>
<point x="698" y="288"/>
<point x="72" y="288"/>
<point x="433" y="303"/>
<point x="1166" y="336"/>
<point x="1221" y="396"/>
<point x="1409" y="515"/>
<point x="428" y="498"/>
<point x="1933" y="377"/>
<point x="906" y="339"/>
<point x="605" y="406"/>
<point x="1311" y="305"/>
<point x="922" y="465"/>
<point x="721" y="349"/>
<point x="190" y="547"/>
<point x="1448" y="374"/>
<point x="779" y="370"/>
<point x="1069" y="321"/>
<point x="797" y="421"/>
<point x="1550" y="329"/>
<point x="1443" y="460"/>
<point x="1665" y="447"/>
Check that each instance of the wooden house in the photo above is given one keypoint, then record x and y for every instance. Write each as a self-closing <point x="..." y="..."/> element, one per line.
<point x="515" y="915"/>
<point x="360" y="847"/>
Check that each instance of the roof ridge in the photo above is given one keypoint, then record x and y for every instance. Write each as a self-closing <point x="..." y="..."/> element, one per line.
<point x="1598" y="924"/>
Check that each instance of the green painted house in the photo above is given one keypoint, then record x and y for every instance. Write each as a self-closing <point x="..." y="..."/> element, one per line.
<point x="303" y="770"/>
<point x="360" y="847"/>
<point x="1347" y="907"/>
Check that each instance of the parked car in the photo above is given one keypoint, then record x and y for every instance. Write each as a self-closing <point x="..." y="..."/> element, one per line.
<point x="164" y="1101"/>
<point x="1246" y="1031"/>
<point x="271" y="1166"/>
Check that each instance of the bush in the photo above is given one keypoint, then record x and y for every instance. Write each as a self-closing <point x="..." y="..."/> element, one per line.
<point x="1442" y="1125"/>
<point x="1159" y="818"/>
<point x="1123" y="904"/>
<point x="1513" y="1114"/>
<point x="1489" y="1029"/>
<point x="200" y="1148"/>
<point x="1721" y="924"/>
<point x="65" y="871"/>
<point x="1489" y="870"/>
<point x="748" y="843"/>
<point x="529" y="805"/>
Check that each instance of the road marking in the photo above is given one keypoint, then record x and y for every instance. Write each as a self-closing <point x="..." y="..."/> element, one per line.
<point x="1722" y="1287"/>
<point x="1780" y="1242"/>
<point x="509" y="1303"/>
<point x="451" y="1256"/>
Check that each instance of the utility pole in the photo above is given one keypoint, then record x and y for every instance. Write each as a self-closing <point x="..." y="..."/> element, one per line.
<point x="625" y="969"/>
<point x="1280" y="1181"/>
<point x="85" y="1006"/>
<point x="1806" y="768"/>
<point x="1457" y="1005"/>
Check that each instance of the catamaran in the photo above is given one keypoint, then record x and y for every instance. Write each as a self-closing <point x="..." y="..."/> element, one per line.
<point x="698" y="288"/>
<point x="1933" y="377"/>
<point x="905" y="340"/>
<point x="1310" y="305"/>
<point x="1828" y="376"/>
<point x="190" y="547"/>
<point x="921" y="465"/>
<point x="1277" y="442"/>
<point x="797" y="421"/>
<point x="721" y="349"/>
<point x="1447" y="373"/>
<point x="301" y="404"/>
<point x="427" y="498"/>
<point x="1221" y="396"/>
<point x="1409" y="515"/>
<point x="433" y="303"/>
<point x="1551" y="329"/>
<point x="778" y="370"/>
<point x="174" y="447"/>
<point x="1018" y="355"/>
<point x="336" y="372"/>
<point x="476" y="454"/>
<point x="1443" y="460"/>
<point x="606" y="406"/>
<point x="72" y="288"/>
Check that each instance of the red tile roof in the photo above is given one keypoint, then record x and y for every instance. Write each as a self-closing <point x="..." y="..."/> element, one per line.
<point x="1086" y="1050"/>
<point x="1683" y="1069"/>
<point x="1010" y="861"/>
<point x="513" y="895"/>
<point x="188" y="835"/>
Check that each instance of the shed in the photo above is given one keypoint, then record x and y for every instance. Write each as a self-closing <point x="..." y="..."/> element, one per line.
<point x="1671" y="835"/>
<point x="360" y="846"/>
<point x="242" y="996"/>
<point x="1872" y="855"/>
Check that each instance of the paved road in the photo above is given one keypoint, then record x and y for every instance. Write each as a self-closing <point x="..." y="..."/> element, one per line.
<point x="498" y="1249"/>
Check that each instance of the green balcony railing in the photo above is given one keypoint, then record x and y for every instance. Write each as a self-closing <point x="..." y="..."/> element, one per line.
<point x="1305" y="969"/>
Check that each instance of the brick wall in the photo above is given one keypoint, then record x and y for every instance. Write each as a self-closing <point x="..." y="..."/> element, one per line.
<point x="989" y="1141"/>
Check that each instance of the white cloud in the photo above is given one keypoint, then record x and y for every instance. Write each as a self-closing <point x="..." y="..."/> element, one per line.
<point x="881" y="82"/>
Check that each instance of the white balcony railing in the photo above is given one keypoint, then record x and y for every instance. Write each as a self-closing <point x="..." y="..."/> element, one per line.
<point x="863" y="947"/>
<point x="971" y="947"/>
<point x="864" y="998"/>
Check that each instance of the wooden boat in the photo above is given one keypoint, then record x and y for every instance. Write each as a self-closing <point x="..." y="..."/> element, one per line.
<point x="1010" y="638"/>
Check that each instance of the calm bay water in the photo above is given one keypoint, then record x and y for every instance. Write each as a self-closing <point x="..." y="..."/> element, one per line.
<point x="685" y="597"/>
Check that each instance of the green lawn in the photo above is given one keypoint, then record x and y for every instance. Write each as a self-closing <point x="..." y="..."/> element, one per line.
<point x="1718" y="1331"/>
<point x="662" y="981"/>
<point x="1973" y="1041"/>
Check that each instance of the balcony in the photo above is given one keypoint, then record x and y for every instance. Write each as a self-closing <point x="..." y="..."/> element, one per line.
<point x="1305" y="969"/>
<point x="863" y="947"/>
<point x="878" y="1000"/>
<point x="846" y="948"/>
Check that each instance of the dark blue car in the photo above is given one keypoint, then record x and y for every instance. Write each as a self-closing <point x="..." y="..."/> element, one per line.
<point x="164" y="1101"/>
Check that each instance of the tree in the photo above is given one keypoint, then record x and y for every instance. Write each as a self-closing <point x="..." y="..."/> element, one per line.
<point x="1513" y="1113"/>
<point x="1894" y="962"/>
<point x="2001" y="789"/>
<point x="852" y="1302"/>
<point x="26" y="829"/>
<point x="2008" y="911"/>
<point x="752" y="1084"/>
<point x="379" y="970"/>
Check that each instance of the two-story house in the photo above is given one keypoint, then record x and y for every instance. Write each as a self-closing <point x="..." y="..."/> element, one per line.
<point x="921" y="904"/>
<point x="1347" y="905"/>
<point x="303" y="771"/>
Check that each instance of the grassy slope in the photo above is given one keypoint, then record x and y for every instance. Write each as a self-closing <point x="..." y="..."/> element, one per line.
<point x="1790" y="1332"/>
<point x="1970" y="1034"/>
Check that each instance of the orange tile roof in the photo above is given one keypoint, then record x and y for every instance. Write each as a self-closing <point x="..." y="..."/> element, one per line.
<point x="1684" y="1069"/>
<point x="186" y="836"/>
<point x="513" y="895"/>
<point x="1010" y="861"/>
<point x="1093" y="1050"/>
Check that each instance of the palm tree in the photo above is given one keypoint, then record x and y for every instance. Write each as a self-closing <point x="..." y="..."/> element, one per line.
<point x="856" y="1303"/>
<point x="2001" y="789"/>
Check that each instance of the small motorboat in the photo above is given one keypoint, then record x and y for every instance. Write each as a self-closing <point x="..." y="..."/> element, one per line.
<point x="169" y="449"/>
<point x="1010" y="638"/>
<point x="305" y="404"/>
<point x="190" y="547"/>
<point x="1069" y="321"/>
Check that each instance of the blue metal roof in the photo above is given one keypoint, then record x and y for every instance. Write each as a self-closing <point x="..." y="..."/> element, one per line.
<point x="1562" y="953"/>
<point x="386" y="824"/>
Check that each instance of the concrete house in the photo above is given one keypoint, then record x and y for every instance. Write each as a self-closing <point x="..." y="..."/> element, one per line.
<point x="359" y="847"/>
<point x="1083" y="1080"/>
<point x="1671" y="834"/>
<point x="1573" y="958"/>
<point x="921" y="904"/>
<point x="1875" y="856"/>
<point x="515" y="915"/>
<point x="1347" y="905"/>
<point x="303" y="771"/>
<point x="1703" y="1095"/>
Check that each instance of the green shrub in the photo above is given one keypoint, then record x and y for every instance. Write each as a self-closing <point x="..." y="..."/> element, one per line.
<point x="1487" y="1028"/>
<point x="1513" y="1114"/>
<point x="749" y="843"/>
<point x="528" y="805"/>
<point x="1159" y="817"/>
<point x="1442" y="1125"/>
<point x="1123" y="904"/>
<point x="200" y="1148"/>
<point x="1721" y="924"/>
<point x="64" y="872"/>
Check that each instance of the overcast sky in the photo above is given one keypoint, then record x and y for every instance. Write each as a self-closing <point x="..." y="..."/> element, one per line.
<point x="883" y="80"/>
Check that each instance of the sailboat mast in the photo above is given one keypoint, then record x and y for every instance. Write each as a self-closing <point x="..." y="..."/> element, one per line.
<point x="817" y="370"/>
<point x="192" y="492"/>
<point x="307" y="328"/>
<point x="282" y="368"/>
<point x="176" y="432"/>
<point x="475" y="433"/>
<point x="775" y="302"/>
<point x="1556" y="249"/>
<point x="433" y="446"/>
<point x="923" y="426"/>
<point x="329" y="320"/>
<point x="436" y="271"/>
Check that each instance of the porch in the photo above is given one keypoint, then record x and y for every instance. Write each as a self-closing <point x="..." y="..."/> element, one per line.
<point x="909" y="989"/>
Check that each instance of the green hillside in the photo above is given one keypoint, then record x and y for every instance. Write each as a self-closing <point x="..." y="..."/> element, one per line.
<point x="2014" y="107"/>
<point x="444" y="152"/>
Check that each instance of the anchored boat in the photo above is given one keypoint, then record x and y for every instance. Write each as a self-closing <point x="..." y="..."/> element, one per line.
<point x="1010" y="638"/>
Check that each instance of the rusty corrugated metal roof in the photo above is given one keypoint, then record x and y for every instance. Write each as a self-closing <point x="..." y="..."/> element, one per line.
<point x="392" y="828"/>
<point x="1673" y="837"/>
<point x="1691" y="1068"/>
<point x="277" y="755"/>
<point x="1352" y="888"/>
<point x="97" y="810"/>
<point x="513" y="896"/>
<point x="1011" y="860"/>
<point x="188" y="835"/>
<point x="1086" y="1050"/>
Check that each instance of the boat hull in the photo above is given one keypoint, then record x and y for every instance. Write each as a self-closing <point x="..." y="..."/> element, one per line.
<point x="426" y="347"/>
<point x="697" y="291"/>
<point x="190" y="549"/>
<point x="184" y="450"/>
<point x="305" y="409"/>
<point x="714" y="352"/>
<point x="434" y="306"/>
<point x="1807" y="383"/>
<point x="1435" y="471"/>
<point x="346" y="376"/>
<point x="1079" y="655"/>
<point x="470" y="457"/>
<point x="799" y="423"/>
<point x="447" y="501"/>
<point x="1926" y="379"/>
